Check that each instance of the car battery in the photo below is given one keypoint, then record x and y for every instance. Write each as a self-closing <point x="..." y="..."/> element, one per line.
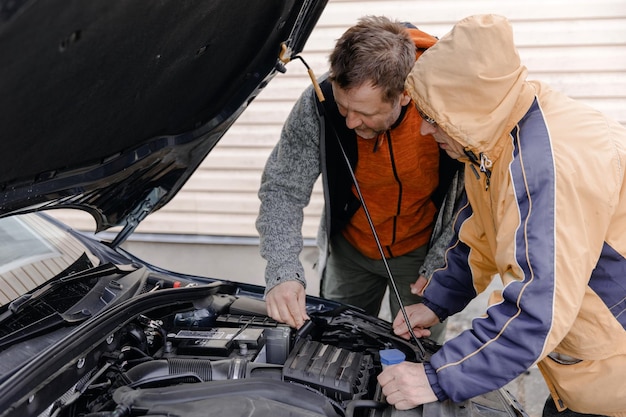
<point x="219" y="341"/>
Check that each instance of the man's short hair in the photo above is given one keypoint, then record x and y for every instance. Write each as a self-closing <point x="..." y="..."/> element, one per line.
<point x="376" y="50"/>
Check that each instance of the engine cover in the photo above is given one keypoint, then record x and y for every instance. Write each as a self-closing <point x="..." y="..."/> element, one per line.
<point x="336" y="372"/>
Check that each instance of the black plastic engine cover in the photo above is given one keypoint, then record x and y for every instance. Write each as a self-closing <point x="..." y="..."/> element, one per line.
<point x="336" y="372"/>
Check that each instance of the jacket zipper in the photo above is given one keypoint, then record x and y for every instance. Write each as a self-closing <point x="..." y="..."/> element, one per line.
<point x="400" y="190"/>
<point x="387" y="135"/>
<point x="484" y="165"/>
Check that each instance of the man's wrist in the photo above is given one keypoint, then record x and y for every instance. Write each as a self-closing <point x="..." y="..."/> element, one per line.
<point x="431" y="374"/>
<point x="441" y="313"/>
<point x="272" y="282"/>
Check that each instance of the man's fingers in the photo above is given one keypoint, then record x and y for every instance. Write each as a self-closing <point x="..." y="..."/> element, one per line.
<point x="298" y="313"/>
<point x="287" y="316"/>
<point x="399" y="321"/>
<point x="406" y="385"/>
<point x="398" y="400"/>
<point x="274" y="311"/>
<point x="422" y="332"/>
<point x="301" y="298"/>
<point x="418" y="287"/>
<point x="401" y="329"/>
<point x="393" y="389"/>
<point x="286" y="304"/>
<point x="385" y="377"/>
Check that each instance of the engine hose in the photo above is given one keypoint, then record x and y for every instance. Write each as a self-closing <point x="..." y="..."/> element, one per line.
<point x="206" y="370"/>
<point x="121" y="410"/>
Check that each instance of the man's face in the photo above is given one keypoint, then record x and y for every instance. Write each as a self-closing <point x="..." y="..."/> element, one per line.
<point x="453" y="148"/>
<point x="365" y="110"/>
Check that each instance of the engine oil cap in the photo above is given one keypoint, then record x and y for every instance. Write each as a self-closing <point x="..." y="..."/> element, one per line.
<point x="391" y="357"/>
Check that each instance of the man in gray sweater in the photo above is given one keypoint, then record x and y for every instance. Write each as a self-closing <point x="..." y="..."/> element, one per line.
<point x="369" y="128"/>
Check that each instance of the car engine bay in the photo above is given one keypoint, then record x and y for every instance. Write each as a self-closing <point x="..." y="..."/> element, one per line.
<point x="172" y="348"/>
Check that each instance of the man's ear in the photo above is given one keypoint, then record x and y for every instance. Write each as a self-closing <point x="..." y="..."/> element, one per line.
<point x="405" y="98"/>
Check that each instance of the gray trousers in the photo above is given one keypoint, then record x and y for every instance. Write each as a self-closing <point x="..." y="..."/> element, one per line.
<point x="354" y="279"/>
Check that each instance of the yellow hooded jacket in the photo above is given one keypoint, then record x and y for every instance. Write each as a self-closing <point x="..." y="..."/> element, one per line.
<point x="546" y="212"/>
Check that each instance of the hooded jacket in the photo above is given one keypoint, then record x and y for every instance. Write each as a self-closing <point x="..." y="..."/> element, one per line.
<point x="546" y="212"/>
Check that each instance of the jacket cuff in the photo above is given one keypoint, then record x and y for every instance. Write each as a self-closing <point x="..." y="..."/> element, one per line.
<point x="441" y="312"/>
<point x="426" y="273"/>
<point x="272" y="282"/>
<point x="431" y="374"/>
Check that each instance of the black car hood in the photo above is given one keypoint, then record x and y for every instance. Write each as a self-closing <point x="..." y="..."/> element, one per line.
<point x="109" y="106"/>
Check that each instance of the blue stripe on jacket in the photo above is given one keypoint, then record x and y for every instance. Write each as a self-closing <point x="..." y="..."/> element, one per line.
<point x="608" y="280"/>
<point x="504" y="344"/>
<point x="458" y="285"/>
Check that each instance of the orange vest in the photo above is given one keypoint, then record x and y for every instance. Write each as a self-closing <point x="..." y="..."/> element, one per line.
<point x="397" y="174"/>
<point x="397" y="182"/>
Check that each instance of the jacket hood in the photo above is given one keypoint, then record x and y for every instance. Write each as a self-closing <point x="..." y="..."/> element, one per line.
<point x="472" y="83"/>
<point x="109" y="105"/>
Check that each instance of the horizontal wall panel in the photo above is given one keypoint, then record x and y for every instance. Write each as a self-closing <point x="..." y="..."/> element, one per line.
<point x="241" y="135"/>
<point x="527" y="33"/>
<point x="208" y="179"/>
<point x="340" y="12"/>
<point x="243" y="159"/>
<point x="569" y="58"/>
<point x="220" y="224"/>
<point x="222" y="203"/>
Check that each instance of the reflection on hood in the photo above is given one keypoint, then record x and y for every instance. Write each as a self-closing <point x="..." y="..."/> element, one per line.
<point x="472" y="83"/>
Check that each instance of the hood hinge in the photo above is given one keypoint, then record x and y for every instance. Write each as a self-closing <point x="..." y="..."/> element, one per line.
<point x="138" y="214"/>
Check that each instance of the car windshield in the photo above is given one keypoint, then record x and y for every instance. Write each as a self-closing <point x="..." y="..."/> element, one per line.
<point x="32" y="251"/>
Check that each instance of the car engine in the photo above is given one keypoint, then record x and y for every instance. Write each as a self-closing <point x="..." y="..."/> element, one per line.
<point x="198" y="350"/>
<point x="227" y="359"/>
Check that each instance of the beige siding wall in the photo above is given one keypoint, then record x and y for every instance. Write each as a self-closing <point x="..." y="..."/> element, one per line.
<point x="579" y="46"/>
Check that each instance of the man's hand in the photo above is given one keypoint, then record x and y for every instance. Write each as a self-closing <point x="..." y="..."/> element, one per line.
<point x="286" y="303"/>
<point x="417" y="288"/>
<point x="406" y="386"/>
<point x="420" y="318"/>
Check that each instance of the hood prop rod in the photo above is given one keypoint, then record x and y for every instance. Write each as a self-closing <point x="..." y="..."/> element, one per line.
<point x="394" y="286"/>
<point x="380" y="249"/>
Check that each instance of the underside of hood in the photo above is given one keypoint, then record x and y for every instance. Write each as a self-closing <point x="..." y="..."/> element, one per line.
<point x="110" y="105"/>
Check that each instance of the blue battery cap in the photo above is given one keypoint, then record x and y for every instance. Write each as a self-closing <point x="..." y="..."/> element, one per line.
<point x="391" y="356"/>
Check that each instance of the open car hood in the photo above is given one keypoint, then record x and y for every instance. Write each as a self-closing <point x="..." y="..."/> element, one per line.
<point x="109" y="106"/>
